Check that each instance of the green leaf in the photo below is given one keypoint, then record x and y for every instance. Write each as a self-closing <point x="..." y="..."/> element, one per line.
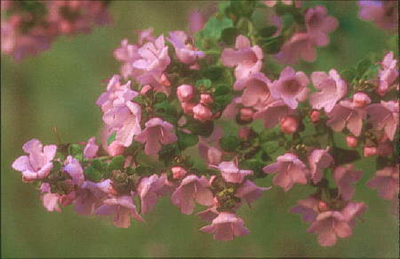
<point x="230" y="143"/>
<point x="344" y="156"/>
<point x="213" y="29"/>
<point x="160" y="97"/>
<point x="111" y="138"/>
<point x="363" y="66"/>
<point x="267" y="31"/>
<point x="203" y="129"/>
<point x="242" y="8"/>
<point x="229" y="35"/>
<point x="93" y="174"/>
<point x="272" y="45"/>
<point x="186" y="140"/>
<point x="206" y="83"/>
<point x="348" y="75"/>
<point x="117" y="163"/>
<point x="270" y="146"/>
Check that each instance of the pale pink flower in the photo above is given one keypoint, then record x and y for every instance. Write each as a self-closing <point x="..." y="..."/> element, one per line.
<point x="385" y="116"/>
<point x="308" y="208"/>
<point x="246" y="59"/>
<point x="90" y="149"/>
<point x="318" y="160"/>
<point x="115" y="149"/>
<point x="231" y="173"/>
<point x="38" y="164"/>
<point x="157" y="132"/>
<point x="149" y="189"/>
<point x="52" y="201"/>
<point x="209" y="147"/>
<point x="196" y="20"/>
<point x="289" y="124"/>
<point x="226" y="226"/>
<point x="145" y="36"/>
<point x="273" y="113"/>
<point x="75" y="170"/>
<point x="319" y="24"/>
<point x="250" y="192"/>
<point x="202" y="113"/>
<point x="90" y="196"/>
<point x="388" y="73"/>
<point x="246" y="114"/>
<point x="206" y="99"/>
<point x="386" y="182"/>
<point x="122" y="208"/>
<point x="361" y="99"/>
<point x="300" y="45"/>
<point x="290" y="170"/>
<point x="291" y="87"/>
<point x="184" y="92"/>
<point x="127" y="54"/>
<point x="383" y="13"/>
<point x="191" y="189"/>
<point x="178" y="172"/>
<point x="185" y="51"/>
<point x="332" y="88"/>
<point x="345" y="177"/>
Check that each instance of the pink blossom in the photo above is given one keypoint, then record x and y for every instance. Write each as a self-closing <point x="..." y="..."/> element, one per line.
<point x="157" y="132"/>
<point x="52" y="201"/>
<point x="75" y="170"/>
<point x="90" y="196"/>
<point x="246" y="114"/>
<point x="178" y="172"/>
<point x="231" y="173"/>
<point x="115" y="149"/>
<point x="332" y="88"/>
<point x="388" y="73"/>
<point x="191" y="189"/>
<point x="382" y="13"/>
<point x="289" y="169"/>
<point x="122" y="208"/>
<point x="233" y="108"/>
<point x="308" y="208"/>
<point x="351" y="141"/>
<point x="209" y="214"/>
<point x="315" y="116"/>
<point x="127" y="54"/>
<point x="145" y="36"/>
<point x="206" y="99"/>
<point x="318" y="160"/>
<point x="226" y="226"/>
<point x="184" y="93"/>
<point x="187" y="107"/>
<point x="361" y="99"/>
<point x="184" y="50"/>
<point x="300" y="45"/>
<point x="345" y="177"/>
<point x="246" y="59"/>
<point x="345" y="113"/>
<point x="385" y="116"/>
<point x="197" y="21"/>
<point x="209" y="147"/>
<point x="202" y="113"/>
<point x="273" y="113"/>
<point x="249" y="191"/>
<point x="386" y="182"/>
<point x="37" y="165"/>
<point x="90" y="149"/>
<point x="319" y="24"/>
<point x="370" y="151"/>
<point x="289" y="124"/>
<point x="149" y="189"/>
<point x="291" y="87"/>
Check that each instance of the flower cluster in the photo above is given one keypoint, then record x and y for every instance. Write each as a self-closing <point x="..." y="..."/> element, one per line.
<point x="169" y="95"/>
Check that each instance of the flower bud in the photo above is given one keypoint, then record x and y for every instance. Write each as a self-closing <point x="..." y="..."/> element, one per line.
<point x="214" y="156"/>
<point x="115" y="149"/>
<point x="361" y="99"/>
<point x="187" y="107"/>
<point x="206" y="99"/>
<point x="244" y="133"/>
<point x="145" y="89"/>
<point x="322" y="206"/>
<point x="370" y="151"/>
<point x="289" y="125"/>
<point x="246" y="114"/>
<point x="351" y="141"/>
<point x="178" y="172"/>
<point x="164" y="80"/>
<point x="315" y="116"/>
<point x="202" y="113"/>
<point x="184" y="93"/>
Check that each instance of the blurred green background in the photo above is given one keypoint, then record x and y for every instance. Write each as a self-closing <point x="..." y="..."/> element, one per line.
<point x="59" y="88"/>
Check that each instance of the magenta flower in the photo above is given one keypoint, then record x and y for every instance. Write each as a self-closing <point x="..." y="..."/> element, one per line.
<point x="184" y="50"/>
<point x="256" y="90"/>
<point x="90" y="149"/>
<point x="345" y="177"/>
<point x="250" y="192"/>
<point x="319" y="24"/>
<point x="385" y="116"/>
<point x="273" y="113"/>
<point x="191" y="189"/>
<point x="346" y="113"/>
<point x="37" y="165"/>
<point x="246" y="59"/>
<point x="226" y="226"/>
<point x="157" y="132"/>
<point x="231" y="173"/>
<point x="318" y="160"/>
<point x="149" y="189"/>
<point x="383" y="13"/>
<point x="122" y="208"/>
<point x="386" y="182"/>
<point x="75" y="170"/>
<point x="332" y="88"/>
<point x="291" y="87"/>
<point x="308" y="208"/>
<point x="289" y="169"/>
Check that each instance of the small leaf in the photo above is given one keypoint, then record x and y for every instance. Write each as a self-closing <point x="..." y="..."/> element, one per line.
<point x="230" y="143"/>
<point x="186" y="140"/>
<point x="273" y="45"/>
<point x="93" y="174"/>
<point x="229" y="35"/>
<point x="117" y="163"/>
<point x="348" y="75"/>
<point x="344" y="156"/>
<point x="111" y="138"/>
<point x="363" y="66"/>
<point x="267" y="31"/>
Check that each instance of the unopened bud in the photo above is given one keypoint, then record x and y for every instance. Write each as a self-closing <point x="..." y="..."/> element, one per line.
<point x="370" y="151"/>
<point x="202" y="113"/>
<point x="178" y="172"/>
<point x="115" y="149"/>
<point x="187" y="107"/>
<point x="206" y="99"/>
<point x="361" y="99"/>
<point x="315" y="116"/>
<point x="246" y="114"/>
<point x="184" y="93"/>
<point x="289" y="125"/>
<point x="322" y="206"/>
<point x="351" y="141"/>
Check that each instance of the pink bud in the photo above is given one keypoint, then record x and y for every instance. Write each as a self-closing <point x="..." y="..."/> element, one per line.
<point x="244" y="133"/>
<point x="315" y="116"/>
<point x="361" y="99"/>
<point x="145" y="89"/>
<point x="214" y="156"/>
<point x="202" y="113"/>
<point x="184" y="93"/>
<point x="288" y="125"/>
<point x="246" y="114"/>
<point x="206" y="99"/>
<point x="187" y="107"/>
<point x="164" y="80"/>
<point x="178" y="172"/>
<point x="115" y="149"/>
<point x="370" y="151"/>
<point x="351" y="141"/>
<point x="322" y="206"/>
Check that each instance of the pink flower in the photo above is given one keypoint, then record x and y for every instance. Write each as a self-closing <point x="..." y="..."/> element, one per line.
<point x="315" y="116"/>
<point x="196" y="21"/>
<point x="345" y="113"/>
<point x="52" y="201"/>
<point x="115" y="149"/>
<point x="246" y="59"/>
<point x="250" y="192"/>
<point x="90" y="196"/>
<point x="272" y="3"/>
<point x="209" y="214"/>
<point x="202" y="113"/>
<point x="178" y="172"/>
<point x="289" y="124"/>
<point x="300" y="45"/>
<point x="206" y="99"/>
<point x="231" y="173"/>
<point x="209" y="147"/>
<point x="289" y="169"/>
<point x="157" y="132"/>
<point x="388" y="73"/>
<point x="351" y="141"/>
<point x="308" y="208"/>
<point x="127" y="54"/>
<point x="256" y="90"/>
<point x="361" y="99"/>
<point x="37" y="165"/>
<point x="370" y="151"/>
<point x="226" y="226"/>
<point x="191" y="189"/>
<point x="145" y="36"/>
<point x="184" y="50"/>
<point x="75" y="170"/>
<point x="90" y="149"/>
<point x="233" y="108"/>
<point x="273" y="113"/>
<point x="149" y="189"/>
<point x="184" y="93"/>
<point x="122" y="207"/>
<point x="385" y="116"/>
<point x="386" y="182"/>
<point x="345" y="177"/>
<point x="318" y="160"/>
<point x="291" y="87"/>
<point x="332" y="89"/>
<point x="246" y="114"/>
<point x="382" y="13"/>
<point x="319" y="24"/>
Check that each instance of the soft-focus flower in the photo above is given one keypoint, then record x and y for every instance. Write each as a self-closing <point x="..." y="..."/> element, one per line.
<point x="37" y="165"/>
<point x="388" y="73"/>
<point x="249" y="191"/>
<point x="184" y="50"/>
<point x="191" y="189"/>
<point x="289" y="124"/>
<point x="90" y="149"/>
<point x="127" y="54"/>
<point x="209" y="147"/>
<point x="206" y="99"/>
<point x="157" y="132"/>
<point x="289" y="169"/>
<point x="319" y="24"/>
<point x="122" y="208"/>
<point x="332" y="88"/>
<point x="361" y="99"/>
<point x="90" y="196"/>
<point x="246" y="59"/>
<point x="273" y="113"/>
<point x="383" y="13"/>
<point x="145" y="36"/>
<point x="308" y="208"/>
<point x="385" y="116"/>
<point x="184" y="93"/>
<point x="345" y="177"/>
<point x="291" y="87"/>
<point x="231" y="173"/>
<point x="75" y="170"/>
<point x="226" y="226"/>
<point x="386" y="182"/>
<point x="315" y="116"/>
<point x="149" y="189"/>
<point x="318" y="160"/>
<point x="202" y="113"/>
<point x="370" y="151"/>
<point x="272" y="3"/>
<point x="52" y="201"/>
<point x="246" y="114"/>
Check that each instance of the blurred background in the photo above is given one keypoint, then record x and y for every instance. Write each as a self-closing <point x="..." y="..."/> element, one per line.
<point x="60" y="87"/>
